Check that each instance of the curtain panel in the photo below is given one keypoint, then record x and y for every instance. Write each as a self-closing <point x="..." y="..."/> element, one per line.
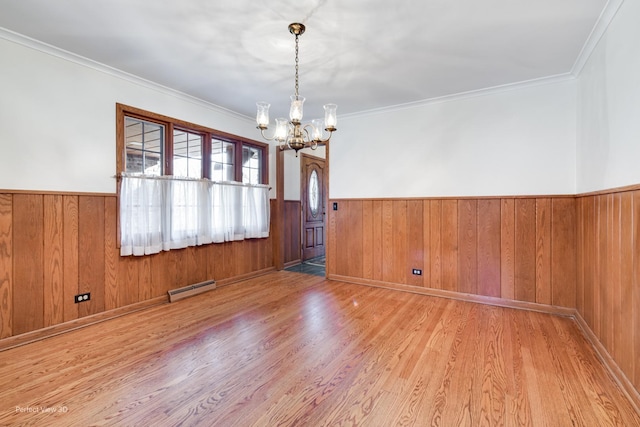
<point x="164" y="213"/>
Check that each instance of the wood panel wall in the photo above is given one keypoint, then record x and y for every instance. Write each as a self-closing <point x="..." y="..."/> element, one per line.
<point x="608" y="279"/>
<point x="292" y="230"/>
<point x="55" y="246"/>
<point x="512" y="248"/>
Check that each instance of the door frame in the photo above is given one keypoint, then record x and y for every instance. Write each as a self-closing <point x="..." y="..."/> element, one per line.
<point x="304" y="200"/>
<point x="278" y="219"/>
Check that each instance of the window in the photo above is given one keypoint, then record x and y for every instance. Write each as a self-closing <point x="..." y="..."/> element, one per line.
<point x="187" y="154"/>
<point x="152" y="144"/>
<point x="251" y="165"/>
<point x="144" y="143"/>
<point x="164" y="203"/>
<point x="222" y="160"/>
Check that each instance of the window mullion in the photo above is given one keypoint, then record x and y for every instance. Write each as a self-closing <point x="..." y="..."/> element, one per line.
<point x="206" y="156"/>
<point x="237" y="170"/>
<point x="168" y="147"/>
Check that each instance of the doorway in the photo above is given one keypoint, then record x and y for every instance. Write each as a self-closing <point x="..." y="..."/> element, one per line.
<point x="312" y="200"/>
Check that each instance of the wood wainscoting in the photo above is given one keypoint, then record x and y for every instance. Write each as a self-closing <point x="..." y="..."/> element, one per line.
<point x="520" y="249"/>
<point x="608" y="279"/>
<point x="55" y="246"/>
<point x="292" y="239"/>
<point x="563" y="254"/>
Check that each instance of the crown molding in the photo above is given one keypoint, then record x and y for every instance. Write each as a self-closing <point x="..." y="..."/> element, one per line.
<point x="559" y="78"/>
<point x="598" y="30"/>
<point x="48" y="49"/>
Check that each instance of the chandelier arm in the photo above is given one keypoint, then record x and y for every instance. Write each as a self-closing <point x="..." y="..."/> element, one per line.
<point x="264" y="128"/>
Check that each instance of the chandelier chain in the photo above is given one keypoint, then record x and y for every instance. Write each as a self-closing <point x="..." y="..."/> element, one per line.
<point x="297" y="66"/>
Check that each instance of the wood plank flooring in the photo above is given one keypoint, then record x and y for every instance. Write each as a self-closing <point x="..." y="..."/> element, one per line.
<point x="294" y="349"/>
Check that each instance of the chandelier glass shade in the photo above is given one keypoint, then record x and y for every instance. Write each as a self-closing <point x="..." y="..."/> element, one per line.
<point x="292" y="133"/>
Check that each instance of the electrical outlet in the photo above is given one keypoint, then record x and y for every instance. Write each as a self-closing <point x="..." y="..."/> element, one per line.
<point x="417" y="272"/>
<point x="82" y="297"/>
<point x="335" y="206"/>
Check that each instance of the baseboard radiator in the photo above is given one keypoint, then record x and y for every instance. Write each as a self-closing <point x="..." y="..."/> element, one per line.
<point x="191" y="290"/>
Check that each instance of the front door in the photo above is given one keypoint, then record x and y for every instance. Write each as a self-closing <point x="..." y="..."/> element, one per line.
<point x="313" y="213"/>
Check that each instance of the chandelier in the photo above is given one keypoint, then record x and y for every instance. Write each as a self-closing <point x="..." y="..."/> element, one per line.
<point x="292" y="133"/>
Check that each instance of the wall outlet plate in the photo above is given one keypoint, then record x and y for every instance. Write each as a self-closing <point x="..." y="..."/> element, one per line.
<point x="417" y="272"/>
<point x="82" y="297"/>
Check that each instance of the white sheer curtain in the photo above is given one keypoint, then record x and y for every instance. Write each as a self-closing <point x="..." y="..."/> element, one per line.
<point x="163" y="213"/>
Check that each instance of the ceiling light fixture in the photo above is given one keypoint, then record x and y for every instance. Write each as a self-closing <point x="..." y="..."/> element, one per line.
<point x="292" y="133"/>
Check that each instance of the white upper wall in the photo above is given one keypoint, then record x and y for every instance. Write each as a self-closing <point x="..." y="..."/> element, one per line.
<point x="292" y="172"/>
<point x="57" y="129"/>
<point x="57" y="119"/>
<point x="513" y="142"/>
<point x="608" y="149"/>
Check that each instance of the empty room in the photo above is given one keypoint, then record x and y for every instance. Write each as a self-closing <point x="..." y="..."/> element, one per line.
<point x="318" y="213"/>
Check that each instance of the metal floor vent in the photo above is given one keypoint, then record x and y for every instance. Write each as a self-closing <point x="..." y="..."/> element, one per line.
<point x="187" y="291"/>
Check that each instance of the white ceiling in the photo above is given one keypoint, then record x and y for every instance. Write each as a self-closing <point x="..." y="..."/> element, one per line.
<point x="362" y="55"/>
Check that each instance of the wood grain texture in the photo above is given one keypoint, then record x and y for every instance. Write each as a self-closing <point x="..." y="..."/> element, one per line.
<point x="435" y="244"/>
<point x="489" y="241"/>
<point x="449" y="235"/>
<point x="54" y="246"/>
<point x="426" y="245"/>
<point x="563" y="252"/>
<point x="486" y="246"/>
<point x="290" y="349"/>
<point x="376" y="249"/>
<point x="399" y="241"/>
<point x="525" y="250"/>
<point x="467" y="246"/>
<point x="6" y="265"/>
<point x="28" y="263"/>
<point x="543" y="251"/>
<point x="623" y="344"/>
<point x="608" y="277"/>
<point x="91" y="253"/>
<point x="111" y="253"/>
<point x="70" y="262"/>
<point x="635" y="287"/>
<point x="368" y="245"/>
<point x="53" y="292"/>
<point x="507" y="248"/>
<point x="292" y="226"/>
<point x="387" y="242"/>
<point x="414" y="245"/>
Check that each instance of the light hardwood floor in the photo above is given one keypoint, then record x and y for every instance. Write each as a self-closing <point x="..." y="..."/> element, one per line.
<point x="294" y="349"/>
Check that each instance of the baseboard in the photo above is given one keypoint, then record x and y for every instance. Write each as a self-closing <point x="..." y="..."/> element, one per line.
<point x="292" y="263"/>
<point x="481" y="299"/>
<point x="240" y="278"/>
<point x="619" y="376"/>
<point x="51" y="331"/>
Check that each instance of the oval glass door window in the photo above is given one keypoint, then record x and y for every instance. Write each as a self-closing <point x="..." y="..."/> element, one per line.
<point x="314" y="194"/>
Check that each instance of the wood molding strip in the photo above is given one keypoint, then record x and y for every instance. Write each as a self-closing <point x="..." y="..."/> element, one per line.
<point x="623" y="189"/>
<point x="442" y="293"/>
<point x="56" y="193"/>
<point x="604" y="356"/>
<point x="40" y="334"/>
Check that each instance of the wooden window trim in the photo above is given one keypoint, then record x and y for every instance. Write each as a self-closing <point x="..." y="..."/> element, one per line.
<point x="170" y="124"/>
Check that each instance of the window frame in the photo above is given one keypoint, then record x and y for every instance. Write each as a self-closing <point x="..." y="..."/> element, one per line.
<point x="171" y="124"/>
